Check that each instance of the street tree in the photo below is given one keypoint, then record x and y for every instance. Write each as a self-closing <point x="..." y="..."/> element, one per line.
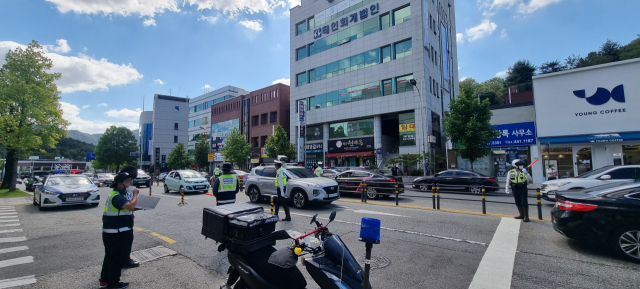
<point x="115" y="147"/>
<point x="467" y="123"/>
<point x="469" y="82"/>
<point x="631" y="50"/>
<point x="178" y="158"/>
<point x="236" y="149"/>
<point x="521" y="72"/>
<point x="201" y="154"/>
<point x="279" y="144"/>
<point x="30" y="113"/>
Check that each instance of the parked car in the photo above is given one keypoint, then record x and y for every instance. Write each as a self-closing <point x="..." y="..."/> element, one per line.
<point x="330" y="173"/>
<point x="161" y="176"/>
<point x="608" y="214"/>
<point x="601" y="176"/>
<point x="242" y="175"/>
<point x="458" y="180"/>
<point x="303" y="187"/>
<point x="377" y="185"/>
<point x="90" y="175"/>
<point x="185" y="180"/>
<point x="142" y="179"/>
<point x="103" y="179"/>
<point x="64" y="190"/>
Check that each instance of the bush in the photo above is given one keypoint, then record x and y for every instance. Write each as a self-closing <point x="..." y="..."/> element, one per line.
<point x="416" y="173"/>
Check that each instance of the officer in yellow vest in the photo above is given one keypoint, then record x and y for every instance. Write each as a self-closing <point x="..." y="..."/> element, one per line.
<point x="319" y="170"/>
<point x="226" y="186"/>
<point x="117" y="228"/>
<point x="517" y="180"/>
<point x="281" y="187"/>
<point x="216" y="171"/>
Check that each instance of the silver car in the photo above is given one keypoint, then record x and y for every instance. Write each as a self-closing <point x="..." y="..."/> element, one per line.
<point x="303" y="186"/>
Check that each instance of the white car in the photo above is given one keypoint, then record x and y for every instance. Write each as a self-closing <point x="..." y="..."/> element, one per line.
<point x="601" y="176"/>
<point x="64" y="190"/>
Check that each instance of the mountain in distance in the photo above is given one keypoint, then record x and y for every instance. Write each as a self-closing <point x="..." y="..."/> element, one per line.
<point x="93" y="138"/>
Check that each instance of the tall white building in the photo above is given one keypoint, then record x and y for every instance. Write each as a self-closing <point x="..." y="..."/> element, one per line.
<point x="352" y="66"/>
<point x="169" y="125"/>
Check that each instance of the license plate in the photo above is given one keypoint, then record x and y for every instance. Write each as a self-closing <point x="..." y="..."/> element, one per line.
<point x="333" y="195"/>
<point x="199" y="187"/>
<point x="75" y="199"/>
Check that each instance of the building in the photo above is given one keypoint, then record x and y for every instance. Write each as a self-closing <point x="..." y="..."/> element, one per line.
<point x="254" y="114"/>
<point x="200" y="113"/>
<point x="353" y="67"/>
<point x="145" y="130"/>
<point x="169" y="121"/>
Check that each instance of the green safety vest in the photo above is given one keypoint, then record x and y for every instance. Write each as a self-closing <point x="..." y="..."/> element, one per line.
<point x="518" y="178"/>
<point x="227" y="183"/>
<point x="110" y="210"/>
<point x="319" y="171"/>
<point x="281" y="174"/>
<point x="216" y="171"/>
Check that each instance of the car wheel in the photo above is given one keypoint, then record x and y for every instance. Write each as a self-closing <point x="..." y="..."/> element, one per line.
<point x="372" y="193"/>
<point x="254" y="195"/>
<point x="299" y="199"/>
<point x="166" y="189"/>
<point x="626" y="243"/>
<point x="40" y="207"/>
<point x="475" y="189"/>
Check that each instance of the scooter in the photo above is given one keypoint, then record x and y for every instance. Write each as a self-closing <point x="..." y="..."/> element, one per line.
<point x="331" y="264"/>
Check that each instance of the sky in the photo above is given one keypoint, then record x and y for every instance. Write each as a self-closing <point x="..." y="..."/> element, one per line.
<point x="115" y="55"/>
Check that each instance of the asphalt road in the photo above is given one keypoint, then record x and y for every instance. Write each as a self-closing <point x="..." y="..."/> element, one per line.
<point x="421" y="248"/>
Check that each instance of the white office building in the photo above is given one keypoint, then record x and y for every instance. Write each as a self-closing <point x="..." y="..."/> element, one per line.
<point x="169" y="127"/>
<point x="352" y="66"/>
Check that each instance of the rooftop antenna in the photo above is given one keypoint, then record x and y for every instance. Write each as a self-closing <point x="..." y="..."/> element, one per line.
<point x="169" y="91"/>
<point x="143" y="102"/>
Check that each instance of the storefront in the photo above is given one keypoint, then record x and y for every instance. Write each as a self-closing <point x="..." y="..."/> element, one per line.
<point x="351" y="152"/>
<point x="315" y="154"/>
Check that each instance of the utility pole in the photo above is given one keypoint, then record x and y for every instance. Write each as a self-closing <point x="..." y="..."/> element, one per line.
<point x="169" y="91"/>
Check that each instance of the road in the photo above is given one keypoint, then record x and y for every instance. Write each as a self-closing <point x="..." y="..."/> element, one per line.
<point x="420" y="248"/>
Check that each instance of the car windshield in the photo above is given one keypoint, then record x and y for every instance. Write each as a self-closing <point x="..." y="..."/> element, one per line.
<point x="300" y="173"/>
<point x="594" y="172"/>
<point x="68" y="181"/>
<point x="190" y="174"/>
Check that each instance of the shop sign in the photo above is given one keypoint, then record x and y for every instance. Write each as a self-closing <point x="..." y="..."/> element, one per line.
<point x="255" y="161"/>
<point x="345" y="21"/>
<point x="407" y="127"/>
<point x="596" y="138"/>
<point x="314" y="147"/>
<point x="301" y="110"/>
<point x="515" y="134"/>
<point x="217" y="157"/>
<point x="351" y="144"/>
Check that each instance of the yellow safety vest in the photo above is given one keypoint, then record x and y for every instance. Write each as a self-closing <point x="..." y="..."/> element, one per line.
<point x="319" y="171"/>
<point x="518" y="178"/>
<point x="216" y="171"/>
<point x="111" y="210"/>
<point x="281" y="174"/>
<point x="227" y="183"/>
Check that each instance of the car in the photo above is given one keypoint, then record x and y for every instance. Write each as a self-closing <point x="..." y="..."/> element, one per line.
<point x="90" y="175"/>
<point x="607" y="214"/>
<point x="377" y="185"/>
<point x="66" y="190"/>
<point x="142" y="179"/>
<point x="242" y="175"/>
<point x="330" y="173"/>
<point x="103" y="179"/>
<point x="161" y="176"/>
<point x="458" y="180"/>
<point x="303" y="187"/>
<point x="601" y="176"/>
<point x="185" y="181"/>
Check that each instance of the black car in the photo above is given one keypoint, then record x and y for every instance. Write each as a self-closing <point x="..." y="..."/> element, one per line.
<point x="608" y="214"/>
<point x="377" y="184"/>
<point x="458" y="180"/>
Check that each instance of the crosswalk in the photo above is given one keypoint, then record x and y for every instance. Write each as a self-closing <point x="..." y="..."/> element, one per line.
<point x="10" y="239"/>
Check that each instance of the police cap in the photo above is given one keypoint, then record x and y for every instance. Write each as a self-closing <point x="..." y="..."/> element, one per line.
<point x="126" y="172"/>
<point x="227" y="167"/>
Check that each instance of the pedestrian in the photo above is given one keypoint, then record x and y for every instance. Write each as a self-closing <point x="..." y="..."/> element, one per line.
<point x="281" y="187"/>
<point x="517" y="180"/>
<point x="318" y="170"/>
<point x="552" y="173"/>
<point x="117" y="228"/>
<point x="394" y="170"/>
<point x="226" y="186"/>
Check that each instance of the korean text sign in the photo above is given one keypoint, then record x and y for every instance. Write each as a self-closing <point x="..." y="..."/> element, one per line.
<point x="515" y="134"/>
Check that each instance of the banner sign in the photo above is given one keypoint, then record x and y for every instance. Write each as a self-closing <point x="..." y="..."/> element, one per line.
<point x="407" y="127"/>
<point x="314" y="147"/>
<point x="515" y="134"/>
<point x="91" y="156"/>
<point x="301" y="110"/>
<point x="351" y="144"/>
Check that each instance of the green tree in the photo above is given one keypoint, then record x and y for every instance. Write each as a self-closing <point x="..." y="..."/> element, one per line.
<point x="236" y="149"/>
<point x="497" y="85"/>
<point x="468" y="123"/>
<point x="30" y="114"/>
<point x="115" y="145"/>
<point x="178" y="158"/>
<point x="469" y="82"/>
<point x="201" y="154"/>
<point x="279" y="144"/>
<point x="608" y="52"/>
<point x="521" y="72"/>
<point x="631" y="50"/>
<point x="552" y="66"/>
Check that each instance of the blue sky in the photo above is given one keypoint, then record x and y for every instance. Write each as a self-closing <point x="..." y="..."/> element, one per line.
<point x="112" y="53"/>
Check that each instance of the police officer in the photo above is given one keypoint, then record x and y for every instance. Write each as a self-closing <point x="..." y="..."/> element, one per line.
<point x="216" y="171"/>
<point x="281" y="186"/>
<point x="319" y="170"/>
<point x="226" y="186"/>
<point x="517" y="180"/>
<point x="117" y="228"/>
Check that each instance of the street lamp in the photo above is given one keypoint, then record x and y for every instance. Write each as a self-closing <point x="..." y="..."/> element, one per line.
<point x="424" y="158"/>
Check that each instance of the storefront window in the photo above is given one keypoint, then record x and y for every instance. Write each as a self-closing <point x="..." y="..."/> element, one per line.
<point x="583" y="160"/>
<point x="407" y="129"/>
<point x="314" y="133"/>
<point x="561" y="158"/>
<point x="631" y="154"/>
<point x="354" y="128"/>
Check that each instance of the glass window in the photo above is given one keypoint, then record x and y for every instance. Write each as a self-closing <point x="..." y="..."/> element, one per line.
<point x="445" y="174"/>
<point x="314" y="132"/>
<point x="263" y="118"/>
<point x="385" y="21"/>
<point x="269" y="172"/>
<point x="623" y="174"/>
<point x="273" y="116"/>
<point x="175" y="139"/>
<point x="199" y="107"/>
<point x="175" y="126"/>
<point x="403" y="84"/>
<point x="344" y="36"/>
<point x="631" y="154"/>
<point x="192" y="109"/>
<point x="177" y="108"/>
<point x="355" y="128"/>
<point x="561" y="158"/>
<point x="372" y="57"/>
<point x="386" y="53"/>
<point x="301" y="27"/>
<point x="301" y="53"/>
<point x="370" y="26"/>
<point x="401" y="15"/>
<point x="312" y="23"/>
<point x="403" y="49"/>
<point x="387" y="87"/>
<point x="407" y="128"/>
<point x="301" y="79"/>
<point x="356" y="31"/>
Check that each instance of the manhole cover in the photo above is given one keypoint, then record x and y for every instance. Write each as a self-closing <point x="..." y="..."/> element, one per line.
<point x="152" y="254"/>
<point x="377" y="262"/>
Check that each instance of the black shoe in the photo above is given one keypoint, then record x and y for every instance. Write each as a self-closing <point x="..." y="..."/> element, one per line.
<point x="131" y="264"/>
<point x="286" y="219"/>
<point x="121" y="285"/>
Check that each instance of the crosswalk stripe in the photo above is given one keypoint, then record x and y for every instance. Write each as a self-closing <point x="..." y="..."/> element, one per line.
<point x="6" y="207"/>
<point x="26" y="280"/>
<point x="6" y="221"/>
<point x="7" y="210"/>
<point x="16" y="261"/>
<point x="14" y="249"/>
<point x="496" y="267"/>
<point x="10" y="225"/>
<point x="7" y="217"/>
<point x="12" y="239"/>
<point x="11" y="231"/>
<point x="3" y="214"/>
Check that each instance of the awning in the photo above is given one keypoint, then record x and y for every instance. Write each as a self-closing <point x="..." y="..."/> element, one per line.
<point x="598" y="138"/>
<point x="349" y="154"/>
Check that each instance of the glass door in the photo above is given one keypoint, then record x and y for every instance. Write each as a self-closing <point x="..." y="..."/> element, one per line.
<point x="583" y="160"/>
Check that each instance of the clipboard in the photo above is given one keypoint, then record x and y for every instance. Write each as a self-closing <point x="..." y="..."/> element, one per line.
<point x="147" y="202"/>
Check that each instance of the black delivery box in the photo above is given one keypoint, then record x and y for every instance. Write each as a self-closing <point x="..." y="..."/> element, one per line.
<point x="251" y="226"/>
<point x="215" y="220"/>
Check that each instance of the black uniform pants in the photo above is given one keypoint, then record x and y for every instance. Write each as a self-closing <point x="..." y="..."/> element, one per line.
<point x="521" y="196"/>
<point x="117" y="247"/>
<point x="282" y="201"/>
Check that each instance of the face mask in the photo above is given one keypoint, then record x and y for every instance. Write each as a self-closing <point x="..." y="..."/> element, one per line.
<point x="130" y="189"/>
<point x="520" y="167"/>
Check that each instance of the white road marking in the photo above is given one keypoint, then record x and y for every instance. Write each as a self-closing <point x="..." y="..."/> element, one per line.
<point x="11" y="231"/>
<point x="10" y="225"/>
<point x="7" y="217"/>
<point x="12" y="239"/>
<point x="14" y="249"/>
<point x="496" y="268"/>
<point x="375" y="213"/>
<point x="169" y="197"/>
<point x="6" y="207"/>
<point x="26" y="280"/>
<point x="13" y="213"/>
<point x="7" y="210"/>
<point x="16" y="261"/>
<point x="6" y="221"/>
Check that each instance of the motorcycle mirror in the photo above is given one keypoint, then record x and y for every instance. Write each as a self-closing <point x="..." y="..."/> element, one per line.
<point x="332" y="216"/>
<point x="313" y="219"/>
<point x="280" y="235"/>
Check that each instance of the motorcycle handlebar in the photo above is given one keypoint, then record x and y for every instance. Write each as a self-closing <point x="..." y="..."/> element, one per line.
<point x="312" y="232"/>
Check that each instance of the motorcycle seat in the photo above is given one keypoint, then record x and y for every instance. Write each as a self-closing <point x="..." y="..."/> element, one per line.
<point x="278" y="276"/>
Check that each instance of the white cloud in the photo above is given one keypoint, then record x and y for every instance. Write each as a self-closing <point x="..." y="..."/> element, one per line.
<point x="463" y="78"/>
<point x="71" y="113"/>
<point x="125" y="114"/>
<point x="522" y="6"/>
<point x="82" y="73"/>
<point x="210" y="19"/>
<point x="459" y="38"/>
<point x="534" y="5"/>
<point x="286" y="81"/>
<point x="102" y="104"/>
<point x="293" y="3"/>
<point x="149" y="22"/>
<point x="206" y="86"/>
<point x="481" y="30"/>
<point x="499" y="3"/>
<point x="504" y="34"/>
<point x="158" y="81"/>
<point x="255" y="25"/>
<point x="85" y="106"/>
<point x="502" y="74"/>
<point x="62" y="47"/>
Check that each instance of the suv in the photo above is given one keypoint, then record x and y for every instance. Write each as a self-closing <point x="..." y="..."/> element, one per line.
<point x="142" y="179"/>
<point x="601" y="176"/>
<point x="302" y="186"/>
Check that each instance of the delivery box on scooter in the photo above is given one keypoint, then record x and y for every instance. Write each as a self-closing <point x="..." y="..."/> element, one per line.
<point x="215" y="220"/>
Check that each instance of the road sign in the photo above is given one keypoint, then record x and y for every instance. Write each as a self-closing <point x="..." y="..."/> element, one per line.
<point x="134" y="154"/>
<point x="210" y="157"/>
<point x="91" y="156"/>
<point x="34" y="157"/>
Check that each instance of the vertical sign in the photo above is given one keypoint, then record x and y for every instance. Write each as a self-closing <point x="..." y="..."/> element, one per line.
<point x="157" y="157"/>
<point x="301" y="110"/>
<point x="425" y="24"/>
<point x="301" y="151"/>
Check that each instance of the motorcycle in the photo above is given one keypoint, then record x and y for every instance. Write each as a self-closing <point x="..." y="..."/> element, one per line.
<point x="330" y="264"/>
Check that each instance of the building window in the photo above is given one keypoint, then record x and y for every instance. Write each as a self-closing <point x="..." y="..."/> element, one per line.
<point x="387" y="87"/>
<point x="434" y="87"/>
<point x="436" y="57"/>
<point x="401" y="15"/>
<point x="263" y="140"/>
<point x="386" y="53"/>
<point x="175" y="126"/>
<point x="254" y="120"/>
<point x="273" y="117"/>
<point x="177" y="108"/>
<point x="430" y="85"/>
<point x="175" y="139"/>
<point x="263" y="118"/>
<point x="354" y="128"/>
<point x="254" y="142"/>
<point x="301" y="79"/>
<point x="385" y="20"/>
<point x="301" y="53"/>
<point x="314" y="132"/>
<point x="301" y="27"/>
<point x="403" y="84"/>
<point x="403" y="49"/>
<point x="192" y="109"/>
